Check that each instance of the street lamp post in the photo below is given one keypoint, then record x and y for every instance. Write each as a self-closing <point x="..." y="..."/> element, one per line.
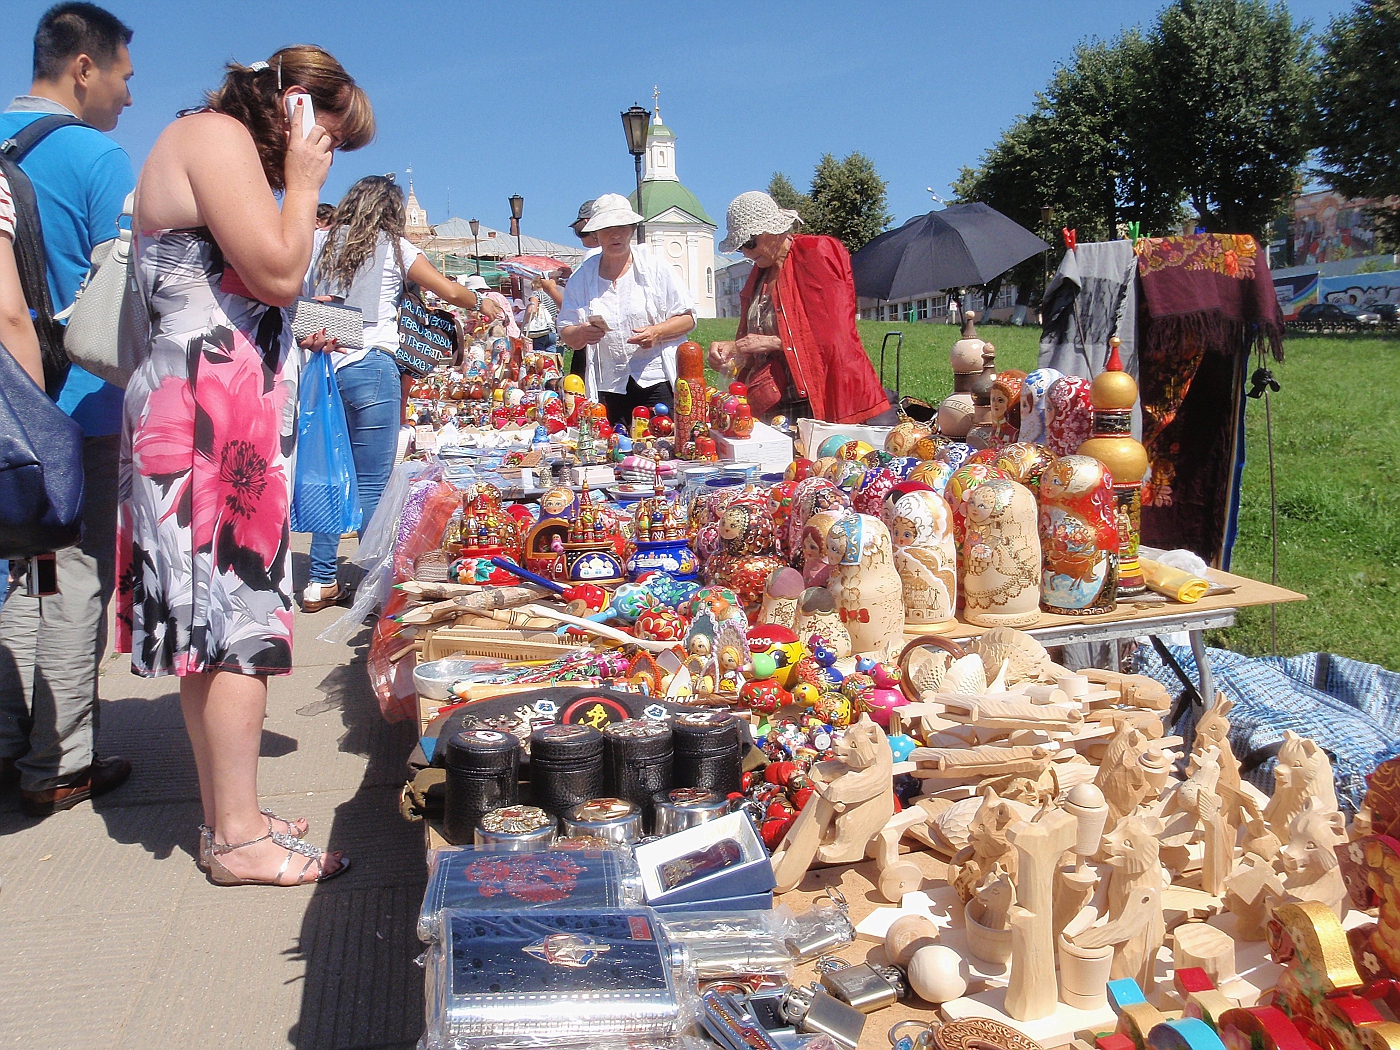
<point x="635" y="122"/>
<point x="476" y="248"/>
<point x="1047" y="216"/>
<point x="517" y="208"/>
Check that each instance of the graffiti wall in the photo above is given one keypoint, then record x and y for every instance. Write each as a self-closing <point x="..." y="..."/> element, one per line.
<point x="1294" y="293"/>
<point x="1328" y="227"/>
<point x="1360" y="289"/>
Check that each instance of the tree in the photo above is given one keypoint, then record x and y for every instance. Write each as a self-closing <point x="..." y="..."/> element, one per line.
<point x="847" y="200"/>
<point x="1228" y="91"/>
<point x="781" y="189"/>
<point x="1356" y="127"/>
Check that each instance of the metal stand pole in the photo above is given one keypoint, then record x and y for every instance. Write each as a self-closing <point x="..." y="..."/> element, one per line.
<point x="641" y="227"/>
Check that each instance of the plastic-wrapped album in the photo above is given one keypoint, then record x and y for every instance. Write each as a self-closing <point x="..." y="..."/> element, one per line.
<point x="544" y="978"/>
<point x="559" y="879"/>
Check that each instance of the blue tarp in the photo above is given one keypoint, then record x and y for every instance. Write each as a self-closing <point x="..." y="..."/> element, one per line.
<point x="1351" y="709"/>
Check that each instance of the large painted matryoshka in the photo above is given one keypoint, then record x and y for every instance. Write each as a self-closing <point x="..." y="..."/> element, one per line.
<point x="1078" y="538"/>
<point x="869" y="594"/>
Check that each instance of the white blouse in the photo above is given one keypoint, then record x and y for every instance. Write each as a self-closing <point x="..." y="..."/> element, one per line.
<point x="648" y="293"/>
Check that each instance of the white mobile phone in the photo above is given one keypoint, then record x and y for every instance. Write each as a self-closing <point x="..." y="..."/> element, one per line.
<point x="308" y="112"/>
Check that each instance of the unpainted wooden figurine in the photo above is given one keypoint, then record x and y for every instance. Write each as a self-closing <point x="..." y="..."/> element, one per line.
<point x="1033" y="989"/>
<point x="987" y="846"/>
<point x="1302" y="772"/>
<point x="852" y="802"/>
<point x="1310" y="867"/>
<point x="1249" y="892"/>
<point x="1196" y="804"/>
<point x="1213" y="731"/>
<point x="1121" y="776"/>
<point x="869" y="594"/>
<point x="1132" y="849"/>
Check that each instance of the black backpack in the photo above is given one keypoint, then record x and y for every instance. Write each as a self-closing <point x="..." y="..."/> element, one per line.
<point x="41" y="448"/>
<point x="29" y="243"/>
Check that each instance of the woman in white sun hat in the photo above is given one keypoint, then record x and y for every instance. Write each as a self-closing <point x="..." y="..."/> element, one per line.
<point x="797" y="347"/>
<point x="632" y="312"/>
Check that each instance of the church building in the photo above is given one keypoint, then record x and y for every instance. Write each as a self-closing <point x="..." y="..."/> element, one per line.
<point x="416" y="229"/>
<point x="678" y="228"/>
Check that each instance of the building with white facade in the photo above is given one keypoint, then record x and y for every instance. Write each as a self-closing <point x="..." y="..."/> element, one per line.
<point x="678" y="228"/>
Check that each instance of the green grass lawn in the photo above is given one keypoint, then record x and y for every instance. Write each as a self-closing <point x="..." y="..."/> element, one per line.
<point x="1337" y="464"/>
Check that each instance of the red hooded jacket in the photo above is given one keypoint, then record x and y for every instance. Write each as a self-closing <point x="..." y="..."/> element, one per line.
<point x="815" y="307"/>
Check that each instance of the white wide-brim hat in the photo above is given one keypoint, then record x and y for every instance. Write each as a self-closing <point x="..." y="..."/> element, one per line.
<point x="611" y="209"/>
<point x="752" y="213"/>
<point x="477" y="283"/>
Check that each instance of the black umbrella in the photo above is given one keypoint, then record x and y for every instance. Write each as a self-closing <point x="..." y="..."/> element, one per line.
<point x="961" y="246"/>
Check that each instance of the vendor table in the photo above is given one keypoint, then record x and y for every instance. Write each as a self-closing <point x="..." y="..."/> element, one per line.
<point x="1153" y="615"/>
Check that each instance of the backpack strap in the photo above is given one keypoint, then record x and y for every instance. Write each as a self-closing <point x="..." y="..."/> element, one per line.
<point x="30" y="257"/>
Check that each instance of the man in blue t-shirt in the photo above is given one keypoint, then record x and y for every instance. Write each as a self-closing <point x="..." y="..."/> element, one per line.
<point x="50" y="648"/>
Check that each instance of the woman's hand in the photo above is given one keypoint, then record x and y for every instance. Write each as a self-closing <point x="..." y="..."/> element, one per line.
<point x="308" y="160"/>
<point x="721" y="355"/>
<point x="577" y="336"/>
<point x="647" y="337"/>
<point x="757" y="345"/>
<point x="319" y="341"/>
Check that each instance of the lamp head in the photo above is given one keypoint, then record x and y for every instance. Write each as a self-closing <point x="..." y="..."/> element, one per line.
<point x="476" y="226"/>
<point x="517" y="206"/>
<point x="635" y="122"/>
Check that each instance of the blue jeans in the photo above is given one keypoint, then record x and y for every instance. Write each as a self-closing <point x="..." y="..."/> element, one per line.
<point x="370" y="389"/>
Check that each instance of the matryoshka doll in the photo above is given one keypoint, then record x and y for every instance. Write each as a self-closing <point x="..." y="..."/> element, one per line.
<point x="1033" y="390"/>
<point x="747" y="550"/>
<point x="811" y="496"/>
<point x="816" y="571"/>
<point x="926" y="557"/>
<point x="1026" y="462"/>
<point x="868" y="591"/>
<point x="904" y="438"/>
<point x="964" y="480"/>
<point x="1000" y="552"/>
<point x="871" y="490"/>
<point x="1069" y="418"/>
<point x="1005" y="425"/>
<point x="1078" y="538"/>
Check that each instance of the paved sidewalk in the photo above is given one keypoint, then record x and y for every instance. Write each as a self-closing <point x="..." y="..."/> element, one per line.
<point x="110" y="936"/>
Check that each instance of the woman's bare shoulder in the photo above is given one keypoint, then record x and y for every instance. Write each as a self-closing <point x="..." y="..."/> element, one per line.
<point x="205" y="130"/>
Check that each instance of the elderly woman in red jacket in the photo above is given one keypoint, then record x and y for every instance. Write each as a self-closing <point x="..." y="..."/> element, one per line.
<point x="797" y="348"/>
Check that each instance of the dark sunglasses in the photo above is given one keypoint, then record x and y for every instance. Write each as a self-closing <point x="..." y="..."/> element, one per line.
<point x="750" y="244"/>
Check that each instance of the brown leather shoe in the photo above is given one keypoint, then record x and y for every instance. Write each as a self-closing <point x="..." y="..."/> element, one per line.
<point x="104" y="775"/>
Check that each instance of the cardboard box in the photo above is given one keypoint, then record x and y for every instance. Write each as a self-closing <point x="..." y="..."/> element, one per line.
<point x="812" y="432"/>
<point x="748" y="902"/>
<point x="600" y="476"/>
<point x="770" y="449"/>
<point x="751" y="875"/>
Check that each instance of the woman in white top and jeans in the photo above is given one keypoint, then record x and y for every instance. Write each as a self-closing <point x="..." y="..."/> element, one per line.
<point x="363" y="259"/>
<point x="646" y="314"/>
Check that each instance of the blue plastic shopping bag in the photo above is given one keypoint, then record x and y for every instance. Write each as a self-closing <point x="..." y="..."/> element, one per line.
<point x="326" y="496"/>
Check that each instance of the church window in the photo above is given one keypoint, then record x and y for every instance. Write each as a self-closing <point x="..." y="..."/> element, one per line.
<point x="709" y="281"/>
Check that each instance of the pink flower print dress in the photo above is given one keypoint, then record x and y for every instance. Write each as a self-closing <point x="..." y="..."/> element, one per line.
<point x="209" y="431"/>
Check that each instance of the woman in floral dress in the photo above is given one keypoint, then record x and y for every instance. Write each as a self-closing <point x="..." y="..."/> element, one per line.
<point x="204" y="559"/>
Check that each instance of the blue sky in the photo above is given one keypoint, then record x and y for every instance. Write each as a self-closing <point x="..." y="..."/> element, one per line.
<point x="486" y="100"/>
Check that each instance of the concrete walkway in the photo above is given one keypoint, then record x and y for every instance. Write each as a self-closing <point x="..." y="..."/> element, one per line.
<point x="111" y="937"/>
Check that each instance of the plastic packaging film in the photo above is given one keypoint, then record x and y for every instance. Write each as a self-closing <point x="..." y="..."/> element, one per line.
<point x="472" y="879"/>
<point x="547" y="978"/>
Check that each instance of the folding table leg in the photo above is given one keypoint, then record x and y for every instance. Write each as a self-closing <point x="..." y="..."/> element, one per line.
<point x="1203" y="670"/>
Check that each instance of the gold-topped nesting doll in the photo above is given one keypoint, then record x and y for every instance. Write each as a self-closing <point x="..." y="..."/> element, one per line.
<point x="926" y="557"/>
<point x="905" y="437"/>
<point x="868" y="591"/>
<point x="1078" y="538"/>
<point x="1001" y="555"/>
<point x="1026" y="462"/>
<point x="1113" y="394"/>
